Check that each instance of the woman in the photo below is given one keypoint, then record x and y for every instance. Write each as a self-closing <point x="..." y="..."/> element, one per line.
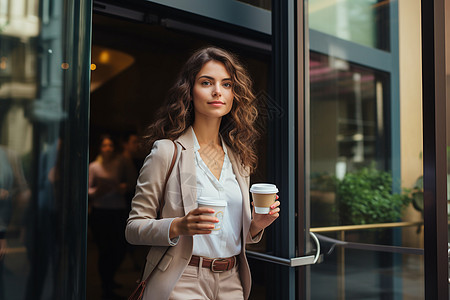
<point x="209" y="114"/>
<point x="109" y="180"/>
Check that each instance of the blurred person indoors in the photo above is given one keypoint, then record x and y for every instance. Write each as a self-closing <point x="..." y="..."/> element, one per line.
<point x="109" y="181"/>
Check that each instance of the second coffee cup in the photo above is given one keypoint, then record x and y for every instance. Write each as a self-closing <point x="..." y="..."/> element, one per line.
<point x="219" y="210"/>
<point x="264" y="195"/>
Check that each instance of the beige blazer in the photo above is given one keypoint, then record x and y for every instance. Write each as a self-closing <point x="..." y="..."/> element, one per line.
<point x="180" y="197"/>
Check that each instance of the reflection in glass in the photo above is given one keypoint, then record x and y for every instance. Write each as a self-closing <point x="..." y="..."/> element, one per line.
<point x="347" y="131"/>
<point x="369" y="275"/>
<point x="14" y="199"/>
<point x="364" y="22"/>
<point x="18" y="87"/>
<point x="40" y="246"/>
<point x="366" y="127"/>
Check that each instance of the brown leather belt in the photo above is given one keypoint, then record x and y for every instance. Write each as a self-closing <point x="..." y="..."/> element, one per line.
<point x="214" y="264"/>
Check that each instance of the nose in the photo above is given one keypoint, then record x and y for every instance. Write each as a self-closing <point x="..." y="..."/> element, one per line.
<point x="217" y="91"/>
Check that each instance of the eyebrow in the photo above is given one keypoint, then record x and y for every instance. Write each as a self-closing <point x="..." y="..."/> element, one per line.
<point x="212" y="78"/>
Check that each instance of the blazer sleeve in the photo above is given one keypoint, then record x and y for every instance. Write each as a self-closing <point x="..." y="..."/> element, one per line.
<point x="257" y="238"/>
<point x="142" y="226"/>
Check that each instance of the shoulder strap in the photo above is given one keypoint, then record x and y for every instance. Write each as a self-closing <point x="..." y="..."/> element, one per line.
<point x="172" y="164"/>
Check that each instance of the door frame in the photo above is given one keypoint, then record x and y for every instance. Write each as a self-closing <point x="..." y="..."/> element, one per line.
<point x="434" y="150"/>
<point x="281" y="170"/>
<point x="288" y="40"/>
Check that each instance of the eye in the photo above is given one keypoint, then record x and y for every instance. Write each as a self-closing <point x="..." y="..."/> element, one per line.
<point x="227" y="84"/>
<point x="206" y="83"/>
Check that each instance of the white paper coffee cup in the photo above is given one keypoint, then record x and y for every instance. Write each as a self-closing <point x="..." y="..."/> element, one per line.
<point x="264" y="195"/>
<point x="219" y="210"/>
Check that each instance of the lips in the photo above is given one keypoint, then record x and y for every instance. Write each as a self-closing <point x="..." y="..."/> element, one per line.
<point x="216" y="103"/>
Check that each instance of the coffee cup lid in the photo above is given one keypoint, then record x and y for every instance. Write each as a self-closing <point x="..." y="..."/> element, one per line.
<point x="213" y="201"/>
<point x="264" y="188"/>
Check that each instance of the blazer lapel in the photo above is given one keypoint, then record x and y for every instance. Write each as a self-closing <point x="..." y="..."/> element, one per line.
<point x="186" y="169"/>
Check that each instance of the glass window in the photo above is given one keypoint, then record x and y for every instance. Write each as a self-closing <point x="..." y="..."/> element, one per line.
<point x="364" y="22"/>
<point x="43" y="128"/>
<point x="347" y="128"/>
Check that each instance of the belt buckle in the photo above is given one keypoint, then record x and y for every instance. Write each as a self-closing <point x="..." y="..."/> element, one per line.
<point x="212" y="265"/>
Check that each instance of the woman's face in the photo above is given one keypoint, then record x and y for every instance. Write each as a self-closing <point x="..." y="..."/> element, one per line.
<point x="107" y="148"/>
<point x="212" y="91"/>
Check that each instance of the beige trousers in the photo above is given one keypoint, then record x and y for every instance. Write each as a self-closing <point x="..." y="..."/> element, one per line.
<point x="201" y="283"/>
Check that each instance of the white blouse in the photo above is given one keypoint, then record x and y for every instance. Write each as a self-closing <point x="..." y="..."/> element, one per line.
<point x="228" y="242"/>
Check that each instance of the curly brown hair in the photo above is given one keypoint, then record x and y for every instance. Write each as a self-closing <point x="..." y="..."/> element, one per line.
<point x="237" y="127"/>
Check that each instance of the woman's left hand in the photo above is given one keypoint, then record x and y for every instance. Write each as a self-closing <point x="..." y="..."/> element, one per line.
<point x="261" y="221"/>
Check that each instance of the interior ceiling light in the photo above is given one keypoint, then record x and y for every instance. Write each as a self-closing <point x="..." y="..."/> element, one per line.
<point x="108" y="64"/>
<point x="104" y="57"/>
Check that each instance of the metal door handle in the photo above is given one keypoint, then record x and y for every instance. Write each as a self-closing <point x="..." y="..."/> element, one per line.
<point x="290" y="262"/>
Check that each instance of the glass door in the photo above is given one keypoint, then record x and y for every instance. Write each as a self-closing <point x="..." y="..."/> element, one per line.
<point x="373" y="149"/>
<point x="358" y="86"/>
<point x="365" y="151"/>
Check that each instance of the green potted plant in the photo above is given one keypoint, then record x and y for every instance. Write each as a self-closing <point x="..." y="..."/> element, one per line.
<point x="366" y="197"/>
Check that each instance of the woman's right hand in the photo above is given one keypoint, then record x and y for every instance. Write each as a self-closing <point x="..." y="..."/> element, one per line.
<point x="195" y="222"/>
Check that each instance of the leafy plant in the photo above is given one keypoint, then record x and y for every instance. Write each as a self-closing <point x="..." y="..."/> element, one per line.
<point x="365" y="197"/>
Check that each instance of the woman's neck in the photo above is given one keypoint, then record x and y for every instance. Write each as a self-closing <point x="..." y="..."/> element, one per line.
<point x="207" y="132"/>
